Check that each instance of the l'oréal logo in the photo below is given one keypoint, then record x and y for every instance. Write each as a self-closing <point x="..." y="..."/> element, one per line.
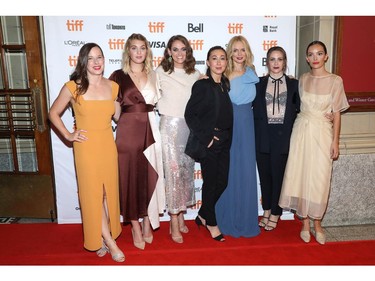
<point x="74" y="43"/>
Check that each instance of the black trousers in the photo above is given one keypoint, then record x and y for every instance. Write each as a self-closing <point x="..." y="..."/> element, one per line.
<point x="215" y="171"/>
<point x="271" y="168"/>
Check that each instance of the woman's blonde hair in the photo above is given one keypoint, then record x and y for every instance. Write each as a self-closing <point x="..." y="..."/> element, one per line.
<point x="249" y="54"/>
<point x="126" y="58"/>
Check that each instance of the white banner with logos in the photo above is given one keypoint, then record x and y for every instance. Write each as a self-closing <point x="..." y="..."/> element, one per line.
<point x="64" y="35"/>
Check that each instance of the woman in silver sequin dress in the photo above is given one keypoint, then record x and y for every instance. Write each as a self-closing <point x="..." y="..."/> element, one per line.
<point x="176" y="75"/>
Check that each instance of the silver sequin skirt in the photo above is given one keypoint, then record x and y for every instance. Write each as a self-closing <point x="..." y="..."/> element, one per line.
<point x="178" y="167"/>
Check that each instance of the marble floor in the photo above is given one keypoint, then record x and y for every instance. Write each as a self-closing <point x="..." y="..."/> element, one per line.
<point x="350" y="233"/>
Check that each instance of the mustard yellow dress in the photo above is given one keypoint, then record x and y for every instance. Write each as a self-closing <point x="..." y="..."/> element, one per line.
<point x="96" y="166"/>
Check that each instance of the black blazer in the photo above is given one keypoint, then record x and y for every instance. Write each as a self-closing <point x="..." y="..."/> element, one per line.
<point x="262" y="136"/>
<point x="201" y="114"/>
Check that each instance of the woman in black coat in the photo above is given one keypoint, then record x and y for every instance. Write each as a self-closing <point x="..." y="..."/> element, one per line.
<point x="209" y="116"/>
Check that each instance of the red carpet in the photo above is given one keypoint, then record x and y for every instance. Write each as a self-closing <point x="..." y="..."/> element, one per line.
<point x="54" y="244"/>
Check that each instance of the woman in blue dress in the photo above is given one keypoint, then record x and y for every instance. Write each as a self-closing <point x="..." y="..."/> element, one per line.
<point x="237" y="208"/>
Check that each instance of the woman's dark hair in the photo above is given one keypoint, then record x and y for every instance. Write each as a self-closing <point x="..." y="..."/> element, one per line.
<point x="79" y="75"/>
<point x="189" y="64"/>
<point x="281" y="50"/>
<point x="317" y="42"/>
<point x="224" y="79"/>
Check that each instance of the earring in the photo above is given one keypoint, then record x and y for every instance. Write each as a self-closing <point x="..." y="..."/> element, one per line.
<point x="170" y="59"/>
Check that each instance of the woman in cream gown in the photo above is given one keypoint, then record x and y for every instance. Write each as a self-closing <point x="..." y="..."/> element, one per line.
<point x="314" y="143"/>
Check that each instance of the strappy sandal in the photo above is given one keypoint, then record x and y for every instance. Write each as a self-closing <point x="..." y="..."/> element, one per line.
<point x="269" y="227"/>
<point x="103" y="250"/>
<point x="263" y="222"/>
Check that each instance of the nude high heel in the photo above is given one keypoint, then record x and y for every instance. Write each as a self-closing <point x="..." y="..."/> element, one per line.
<point x="177" y="239"/>
<point x="181" y="224"/>
<point x="147" y="239"/>
<point x="320" y="238"/>
<point x="305" y="236"/>
<point x="139" y="245"/>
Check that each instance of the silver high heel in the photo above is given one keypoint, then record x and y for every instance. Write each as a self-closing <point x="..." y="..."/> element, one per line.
<point x="103" y="250"/>
<point x="119" y="257"/>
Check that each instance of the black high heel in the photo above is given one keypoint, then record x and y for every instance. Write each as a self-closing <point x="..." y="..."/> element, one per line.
<point x="219" y="238"/>
<point x="198" y="222"/>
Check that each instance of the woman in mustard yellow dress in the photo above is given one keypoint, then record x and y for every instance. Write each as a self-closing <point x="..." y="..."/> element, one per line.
<point x="93" y="100"/>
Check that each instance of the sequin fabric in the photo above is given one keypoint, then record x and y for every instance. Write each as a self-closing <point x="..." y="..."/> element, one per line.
<point x="178" y="167"/>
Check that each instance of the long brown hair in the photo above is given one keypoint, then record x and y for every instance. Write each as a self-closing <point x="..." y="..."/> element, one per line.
<point x="79" y="75"/>
<point x="189" y="64"/>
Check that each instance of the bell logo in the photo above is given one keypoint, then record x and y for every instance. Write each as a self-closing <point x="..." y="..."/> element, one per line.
<point x="74" y="25"/>
<point x="235" y="28"/>
<point x="192" y="28"/>
<point x="156" y="27"/>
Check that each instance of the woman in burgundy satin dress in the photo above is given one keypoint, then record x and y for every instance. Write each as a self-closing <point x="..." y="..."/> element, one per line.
<point x="142" y="195"/>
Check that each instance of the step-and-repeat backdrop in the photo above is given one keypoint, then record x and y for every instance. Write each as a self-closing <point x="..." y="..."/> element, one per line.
<point x="64" y="36"/>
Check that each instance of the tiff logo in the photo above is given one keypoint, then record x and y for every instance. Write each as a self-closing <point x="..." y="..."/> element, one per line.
<point x="74" y="25"/>
<point x="268" y="44"/>
<point x="72" y="61"/>
<point x="116" y="44"/>
<point x="196" y="44"/>
<point x="235" y="28"/>
<point x="156" y="27"/>
<point x="156" y="61"/>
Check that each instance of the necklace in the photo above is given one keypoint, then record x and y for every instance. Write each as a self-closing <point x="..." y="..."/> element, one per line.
<point x="136" y="76"/>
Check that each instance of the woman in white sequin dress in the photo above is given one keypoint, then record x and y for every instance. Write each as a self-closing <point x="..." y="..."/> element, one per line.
<point x="176" y="75"/>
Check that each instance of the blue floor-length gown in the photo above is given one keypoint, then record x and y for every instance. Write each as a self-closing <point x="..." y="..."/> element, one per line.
<point x="237" y="208"/>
